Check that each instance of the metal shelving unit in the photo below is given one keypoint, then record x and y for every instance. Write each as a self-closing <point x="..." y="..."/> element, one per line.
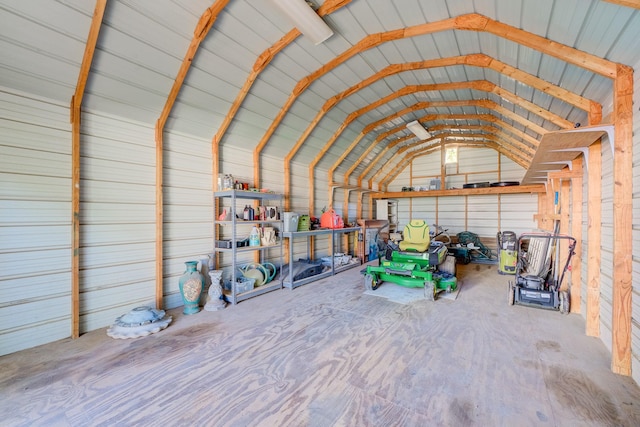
<point x="233" y="196"/>
<point x="288" y="281"/>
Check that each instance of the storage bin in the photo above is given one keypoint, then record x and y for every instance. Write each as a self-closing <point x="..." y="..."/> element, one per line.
<point x="243" y="284"/>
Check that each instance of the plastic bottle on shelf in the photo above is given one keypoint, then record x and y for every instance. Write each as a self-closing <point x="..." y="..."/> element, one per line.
<point x="245" y="215"/>
<point x="254" y="237"/>
<point x="227" y="182"/>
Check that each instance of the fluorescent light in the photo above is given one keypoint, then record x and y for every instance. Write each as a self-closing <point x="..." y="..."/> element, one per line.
<point x="305" y="19"/>
<point x="418" y="130"/>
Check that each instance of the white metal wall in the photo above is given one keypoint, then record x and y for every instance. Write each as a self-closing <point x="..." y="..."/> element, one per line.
<point x="35" y="221"/>
<point x="188" y="208"/>
<point x="117" y="218"/>
<point x="484" y="215"/>
<point x="606" y="248"/>
<point x="299" y="203"/>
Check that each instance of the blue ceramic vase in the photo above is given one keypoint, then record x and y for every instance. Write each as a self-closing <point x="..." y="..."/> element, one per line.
<point x="191" y="288"/>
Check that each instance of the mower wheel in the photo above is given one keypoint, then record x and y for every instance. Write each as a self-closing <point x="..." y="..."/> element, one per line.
<point x="512" y="294"/>
<point x="368" y="282"/>
<point x="430" y="290"/>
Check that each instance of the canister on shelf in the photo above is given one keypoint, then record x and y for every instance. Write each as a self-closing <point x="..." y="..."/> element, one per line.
<point x="254" y="237"/>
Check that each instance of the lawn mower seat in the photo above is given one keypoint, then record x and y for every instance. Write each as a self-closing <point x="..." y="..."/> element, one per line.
<point x="415" y="236"/>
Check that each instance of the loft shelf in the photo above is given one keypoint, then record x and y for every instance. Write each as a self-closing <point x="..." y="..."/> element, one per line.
<point x="558" y="150"/>
<point x="515" y="189"/>
<point x="242" y="194"/>
<point x="335" y="185"/>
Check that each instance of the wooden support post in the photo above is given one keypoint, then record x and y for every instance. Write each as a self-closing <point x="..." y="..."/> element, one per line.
<point x="76" y="112"/>
<point x="75" y="220"/>
<point x="443" y="164"/>
<point x="622" y="220"/>
<point x="594" y="238"/>
<point x="576" y="232"/>
<point x="345" y="205"/>
<point x="159" y="293"/>
<point x="565" y="197"/>
<point x="499" y="198"/>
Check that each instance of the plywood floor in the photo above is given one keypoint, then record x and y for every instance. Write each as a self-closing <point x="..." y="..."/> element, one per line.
<point x="325" y="354"/>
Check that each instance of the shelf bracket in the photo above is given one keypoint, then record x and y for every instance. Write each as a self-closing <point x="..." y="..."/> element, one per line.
<point x="569" y="163"/>
<point x="583" y="150"/>
<point x="609" y="129"/>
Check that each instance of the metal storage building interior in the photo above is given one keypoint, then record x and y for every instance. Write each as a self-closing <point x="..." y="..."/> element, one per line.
<point x="117" y="117"/>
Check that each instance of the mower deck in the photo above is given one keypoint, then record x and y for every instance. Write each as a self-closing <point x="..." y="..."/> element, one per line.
<point x="413" y="270"/>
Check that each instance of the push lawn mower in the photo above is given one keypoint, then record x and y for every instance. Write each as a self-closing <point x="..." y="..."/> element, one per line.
<point x="412" y="263"/>
<point x="539" y="274"/>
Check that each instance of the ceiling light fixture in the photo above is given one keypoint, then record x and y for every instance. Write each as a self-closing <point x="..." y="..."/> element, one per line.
<point x="305" y="19"/>
<point x="418" y="130"/>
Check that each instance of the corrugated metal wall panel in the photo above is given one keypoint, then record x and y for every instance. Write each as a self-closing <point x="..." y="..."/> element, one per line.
<point x="272" y="168"/>
<point x="418" y="208"/>
<point x="299" y="200"/>
<point x="516" y="212"/>
<point x="606" y="282"/>
<point x="474" y="160"/>
<point x="400" y="181"/>
<point x="510" y="170"/>
<point x="117" y="205"/>
<point x="452" y="214"/>
<point x="427" y="165"/>
<point x="35" y="221"/>
<point x="188" y="185"/>
<point x="483" y="215"/>
<point x="584" y="291"/>
<point x="483" y="218"/>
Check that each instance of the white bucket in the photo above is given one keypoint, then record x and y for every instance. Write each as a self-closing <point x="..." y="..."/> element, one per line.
<point x="290" y="221"/>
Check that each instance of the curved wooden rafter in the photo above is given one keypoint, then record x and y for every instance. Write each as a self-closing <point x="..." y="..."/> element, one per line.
<point x="517" y="155"/>
<point x="328" y="7"/>
<point x="479" y="60"/>
<point x="201" y="30"/>
<point x="468" y="22"/>
<point x="420" y="153"/>
<point x="480" y="85"/>
<point x="406" y="159"/>
<point x="399" y="166"/>
<point x="489" y="142"/>
<point x="484" y="103"/>
<point x="391" y="144"/>
<point x="529" y="149"/>
<point x="261" y="63"/>
<point x="628" y="3"/>
<point x="481" y="117"/>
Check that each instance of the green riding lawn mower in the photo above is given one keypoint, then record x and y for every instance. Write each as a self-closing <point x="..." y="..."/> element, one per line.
<point x="413" y="263"/>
